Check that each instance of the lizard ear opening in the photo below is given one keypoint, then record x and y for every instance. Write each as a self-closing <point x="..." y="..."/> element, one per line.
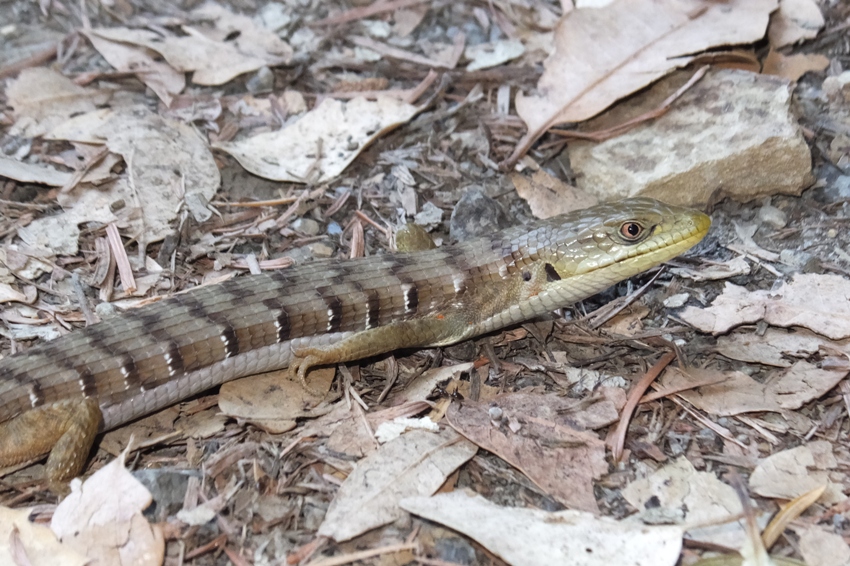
<point x="551" y="273"/>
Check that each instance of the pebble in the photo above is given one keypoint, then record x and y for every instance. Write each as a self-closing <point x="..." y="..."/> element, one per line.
<point x="262" y="81"/>
<point x="772" y="216"/>
<point x="676" y="301"/>
<point x="321" y="250"/>
<point x="306" y="226"/>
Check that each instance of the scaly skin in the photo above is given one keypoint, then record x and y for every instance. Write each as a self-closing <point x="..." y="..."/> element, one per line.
<point x="56" y="396"/>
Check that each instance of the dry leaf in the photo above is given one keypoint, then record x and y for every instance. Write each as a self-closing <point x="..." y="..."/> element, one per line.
<point x="531" y="537"/>
<point x="791" y="473"/>
<point x="102" y="518"/>
<point x="796" y="303"/>
<point x="35" y="542"/>
<point x="537" y="435"/>
<point x="548" y="196"/>
<point x="776" y="347"/>
<point x="714" y="270"/>
<point x="11" y="168"/>
<point x="416" y="463"/>
<point x="43" y="98"/>
<point x="795" y="21"/>
<point x="213" y="54"/>
<point x="789" y="513"/>
<point x="681" y="493"/>
<point x="273" y="396"/>
<point x="322" y="143"/>
<point x="792" y="67"/>
<point x="162" y="79"/>
<point x="170" y="162"/>
<point x="822" y="546"/>
<point x="355" y="436"/>
<point x="486" y="55"/>
<point x="602" y="55"/>
<point x="786" y="389"/>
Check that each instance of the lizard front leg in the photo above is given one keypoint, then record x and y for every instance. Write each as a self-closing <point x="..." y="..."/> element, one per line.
<point x="65" y="430"/>
<point x="452" y="322"/>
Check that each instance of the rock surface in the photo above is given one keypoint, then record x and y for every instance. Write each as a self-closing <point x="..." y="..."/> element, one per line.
<point x="732" y="134"/>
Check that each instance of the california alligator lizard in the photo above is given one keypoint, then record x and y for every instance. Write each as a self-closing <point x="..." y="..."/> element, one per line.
<point x="55" y="397"/>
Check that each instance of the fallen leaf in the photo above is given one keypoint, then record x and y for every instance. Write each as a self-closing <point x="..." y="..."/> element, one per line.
<point x="43" y="98"/>
<point x="790" y="473"/>
<point x="602" y="55"/>
<point x="9" y="294"/>
<point x="422" y="387"/>
<point x="792" y="67"/>
<point x="530" y="537"/>
<point x="162" y="79"/>
<point x="32" y="173"/>
<point x="785" y="389"/>
<point x="776" y="347"/>
<point x="548" y="196"/>
<point x="143" y="431"/>
<point x="714" y="270"/>
<point x="102" y="518"/>
<point x="628" y="322"/>
<point x="233" y="46"/>
<point x="274" y="400"/>
<point x="796" y="303"/>
<point x="820" y="545"/>
<point x="486" y="55"/>
<point x="794" y="21"/>
<point x="170" y="162"/>
<point x="416" y="463"/>
<point x="37" y="542"/>
<point x="538" y="435"/>
<point x="685" y="496"/>
<point x="322" y="143"/>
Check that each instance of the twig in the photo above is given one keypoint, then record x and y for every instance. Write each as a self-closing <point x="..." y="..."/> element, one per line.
<point x="634" y="398"/>
<point x="125" y="272"/>
<point x="378" y="7"/>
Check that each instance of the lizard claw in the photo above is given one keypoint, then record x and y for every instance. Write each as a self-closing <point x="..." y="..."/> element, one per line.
<point x="302" y="362"/>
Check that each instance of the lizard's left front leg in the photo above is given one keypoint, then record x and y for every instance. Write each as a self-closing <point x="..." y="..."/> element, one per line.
<point x="455" y="320"/>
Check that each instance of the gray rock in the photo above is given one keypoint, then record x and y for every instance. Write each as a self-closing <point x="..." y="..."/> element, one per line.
<point x="772" y="216"/>
<point x="732" y="134"/>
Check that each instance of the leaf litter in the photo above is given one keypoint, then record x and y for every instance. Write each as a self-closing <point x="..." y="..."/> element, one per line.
<point x="270" y="471"/>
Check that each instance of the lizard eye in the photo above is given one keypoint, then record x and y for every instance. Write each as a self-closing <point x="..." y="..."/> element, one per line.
<point x="631" y="230"/>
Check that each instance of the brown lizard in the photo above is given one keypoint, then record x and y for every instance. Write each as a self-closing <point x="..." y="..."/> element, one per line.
<point x="57" y="396"/>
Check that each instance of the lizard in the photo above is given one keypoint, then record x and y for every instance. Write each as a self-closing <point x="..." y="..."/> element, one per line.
<point x="57" y="396"/>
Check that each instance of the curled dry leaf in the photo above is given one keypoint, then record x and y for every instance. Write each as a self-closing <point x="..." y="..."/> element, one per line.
<point x="320" y="145"/>
<point x="214" y="54"/>
<point x="102" y="518"/>
<point x="796" y="303"/>
<point x="161" y="78"/>
<point x="602" y="55"/>
<point x="24" y="542"/>
<point x="416" y="463"/>
<point x="167" y="162"/>
<point x="530" y="537"/>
